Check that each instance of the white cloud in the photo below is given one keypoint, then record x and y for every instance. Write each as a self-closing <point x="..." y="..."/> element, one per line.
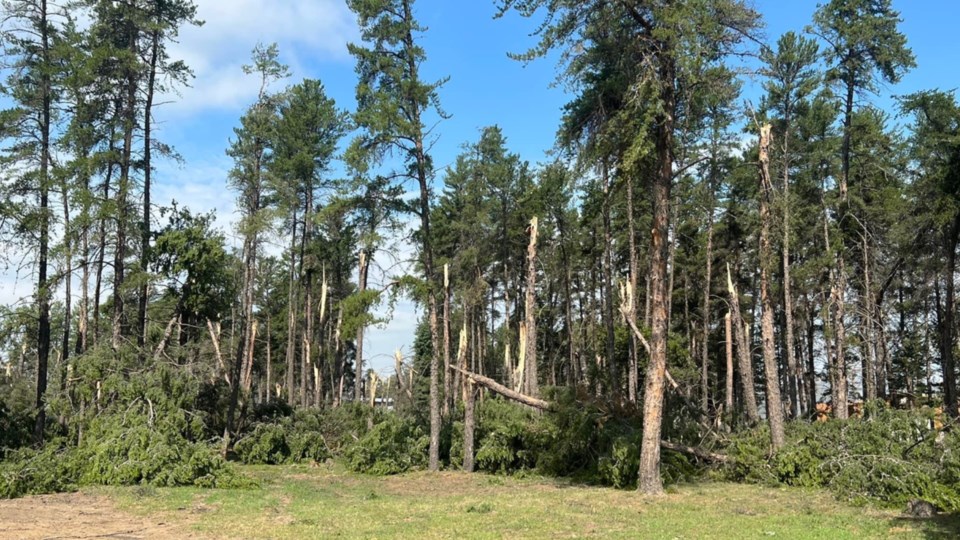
<point x="200" y="186"/>
<point x="216" y="51"/>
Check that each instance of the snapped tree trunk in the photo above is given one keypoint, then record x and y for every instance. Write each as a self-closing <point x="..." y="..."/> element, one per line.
<point x="774" y="403"/>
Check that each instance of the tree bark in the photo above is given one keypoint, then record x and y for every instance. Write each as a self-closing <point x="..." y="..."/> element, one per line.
<point x="728" y="403"/>
<point x="794" y="372"/>
<point x="649" y="474"/>
<point x="123" y="186"/>
<point x="291" y="352"/>
<point x="745" y="365"/>
<point x="946" y="329"/>
<point x="778" y="437"/>
<point x="530" y="311"/>
<point x="147" y="174"/>
<point x="632" y="374"/>
<point x="447" y="379"/>
<point x="468" y="427"/>
<point x="708" y="275"/>
<point x="43" y="287"/>
<point x="361" y="288"/>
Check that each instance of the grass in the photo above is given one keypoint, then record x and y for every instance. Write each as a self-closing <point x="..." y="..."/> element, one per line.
<point x="328" y="502"/>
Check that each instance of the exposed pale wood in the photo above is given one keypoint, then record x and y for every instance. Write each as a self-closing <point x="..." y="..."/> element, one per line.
<point x="498" y="388"/>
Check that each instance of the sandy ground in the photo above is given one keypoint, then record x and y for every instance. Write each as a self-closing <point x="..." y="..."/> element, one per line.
<point x="78" y="515"/>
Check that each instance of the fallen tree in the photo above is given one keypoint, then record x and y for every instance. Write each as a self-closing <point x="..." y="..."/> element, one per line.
<point x="544" y="405"/>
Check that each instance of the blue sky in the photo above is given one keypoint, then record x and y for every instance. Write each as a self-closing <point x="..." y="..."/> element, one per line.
<point x="463" y="42"/>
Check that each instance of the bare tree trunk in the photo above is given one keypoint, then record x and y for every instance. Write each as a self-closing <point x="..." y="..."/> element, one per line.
<point x="247" y="377"/>
<point x="947" y="328"/>
<point x="307" y="265"/>
<point x="705" y="347"/>
<point x="68" y="244"/>
<point x="650" y="481"/>
<point x="447" y="374"/>
<point x="728" y="404"/>
<point x="361" y="288"/>
<point x="123" y="189"/>
<point x="147" y="173"/>
<point x="292" y="315"/>
<point x="774" y="402"/>
<point x="613" y="388"/>
<point x="468" y="427"/>
<point x="632" y="374"/>
<point x="839" y="390"/>
<point x="867" y="337"/>
<point x="794" y="371"/>
<point x="43" y="287"/>
<point x="743" y="354"/>
<point x="214" y="332"/>
<point x="530" y="310"/>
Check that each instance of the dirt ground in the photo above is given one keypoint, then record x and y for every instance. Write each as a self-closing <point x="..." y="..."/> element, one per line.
<point x="78" y="515"/>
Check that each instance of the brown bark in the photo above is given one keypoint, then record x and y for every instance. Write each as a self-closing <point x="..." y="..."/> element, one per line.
<point x="947" y="331"/>
<point x="839" y="364"/>
<point x="705" y="346"/>
<point x="421" y="171"/>
<point x="774" y="403"/>
<point x="632" y="374"/>
<point x="469" y="428"/>
<point x="292" y="314"/>
<point x="745" y="364"/>
<point x="307" y="264"/>
<point x="68" y="244"/>
<point x="867" y="336"/>
<point x="613" y="386"/>
<point x="448" y="388"/>
<point x="531" y="385"/>
<point x="650" y="481"/>
<point x="123" y="189"/>
<point x="43" y="287"/>
<point x="794" y="371"/>
<point x="147" y="176"/>
<point x="728" y="403"/>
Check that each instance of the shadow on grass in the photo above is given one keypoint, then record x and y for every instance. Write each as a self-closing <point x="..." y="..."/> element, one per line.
<point x="939" y="527"/>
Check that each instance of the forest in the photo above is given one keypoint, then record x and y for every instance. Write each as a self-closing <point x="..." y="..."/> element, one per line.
<point x="694" y="285"/>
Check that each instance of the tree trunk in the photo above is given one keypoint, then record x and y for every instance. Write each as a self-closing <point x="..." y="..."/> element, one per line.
<point x="745" y="365"/>
<point x="361" y="288"/>
<point x="123" y="188"/>
<point x="68" y="243"/>
<point x="632" y="368"/>
<point x="649" y="474"/>
<point x="291" y="352"/>
<point x="613" y="387"/>
<point x="774" y="403"/>
<point x="705" y="346"/>
<point x="530" y="311"/>
<point x="147" y="172"/>
<point x="946" y="329"/>
<point x="468" y="427"/>
<point x="728" y="387"/>
<point x="447" y="374"/>
<point x="869" y="351"/>
<point x="794" y="372"/>
<point x="43" y="287"/>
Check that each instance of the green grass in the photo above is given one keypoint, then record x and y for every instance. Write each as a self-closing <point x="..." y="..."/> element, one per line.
<point x="328" y="502"/>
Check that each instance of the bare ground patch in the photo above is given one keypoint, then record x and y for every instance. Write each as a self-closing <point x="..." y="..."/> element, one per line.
<point x="79" y="515"/>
